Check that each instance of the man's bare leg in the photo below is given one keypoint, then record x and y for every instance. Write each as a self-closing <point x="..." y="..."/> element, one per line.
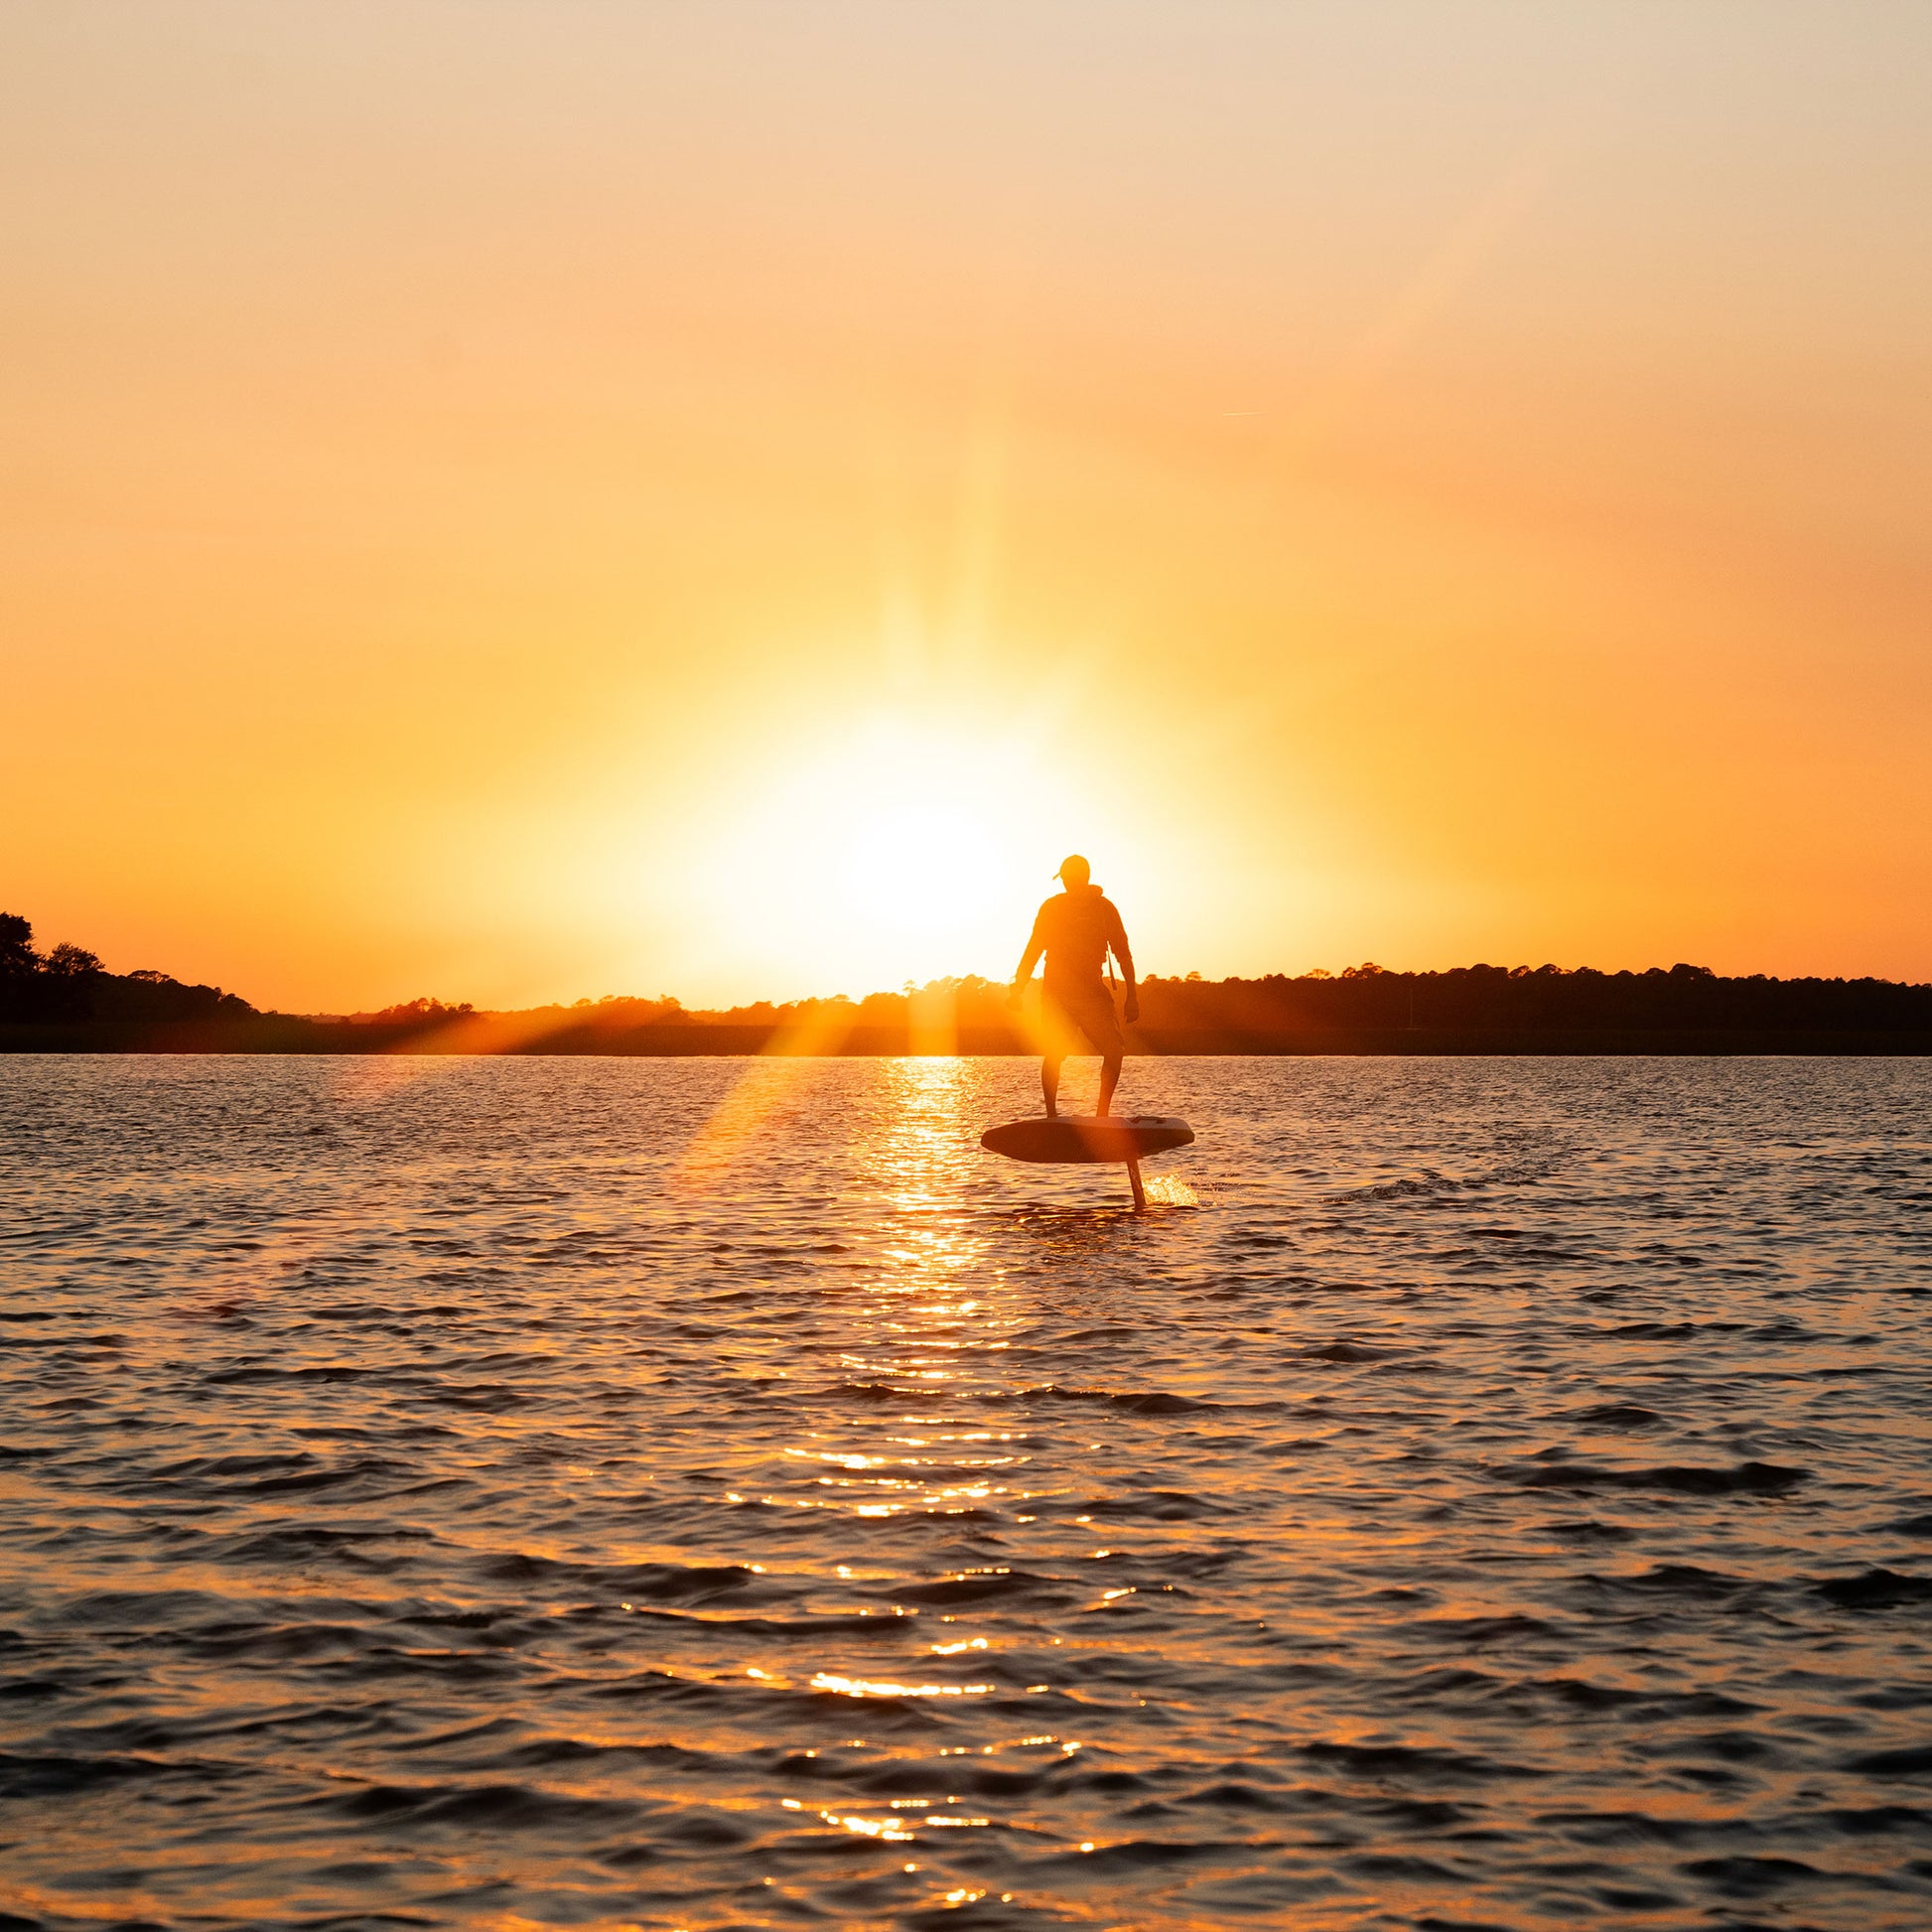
<point x="1109" y="1080"/>
<point x="1049" y="1085"/>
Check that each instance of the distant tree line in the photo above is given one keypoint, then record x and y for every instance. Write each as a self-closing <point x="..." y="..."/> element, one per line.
<point x="68" y="987"/>
<point x="68" y="983"/>
<point x="1360" y="999"/>
<point x="416" y="1013"/>
<point x="1538" y="999"/>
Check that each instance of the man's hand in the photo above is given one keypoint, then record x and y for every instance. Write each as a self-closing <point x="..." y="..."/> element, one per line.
<point x="1013" y="997"/>
<point x="1131" y="1011"/>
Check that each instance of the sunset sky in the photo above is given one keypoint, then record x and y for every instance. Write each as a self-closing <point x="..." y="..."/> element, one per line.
<point x="518" y="501"/>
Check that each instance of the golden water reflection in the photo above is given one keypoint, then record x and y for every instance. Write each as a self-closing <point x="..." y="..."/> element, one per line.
<point x="933" y="1303"/>
<point x="934" y="1313"/>
<point x="921" y="1337"/>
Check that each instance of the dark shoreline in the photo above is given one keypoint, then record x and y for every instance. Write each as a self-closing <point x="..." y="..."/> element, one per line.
<point x="273" y="1033"/>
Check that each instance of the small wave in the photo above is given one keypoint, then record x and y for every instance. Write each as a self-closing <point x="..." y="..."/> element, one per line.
<point x="1751" y="1878"/>
<point x="872" y="1392"/>
<point x="982" y="1586"/>
<point x="1671" y="1479"/>
<point x="1474" y="1631"/>
<point x="56" y="1774"/>
<point x="63" y="1341"/>
<point x="273" y="1476"/>
<point x="1429" y="1183"/>
<point x="1616" y="1415"/>
<point x="1687" y="1583"/>
<point x="1579" y="1695"/>
<point x="329" y="1372"/>
<point x="1344" y="1352"/>
<point x="1414" y="1760"/>
<point x="659" y="1582"/>
<point x="1137" y="1854"/>
<point x="813" y="1627"/>
<point x="497" y="1806"/>
<point x="1874" y="1589"/>
<point x="1154" y="1505"/>
<point x="955" y="1778"/>
<point x="1137" y="1401"/>
<point x="365" y="1549"/>
<point x="1910" y="1761"/>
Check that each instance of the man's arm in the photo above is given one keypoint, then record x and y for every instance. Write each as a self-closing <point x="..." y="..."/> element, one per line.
<point x="1117" y="939"/>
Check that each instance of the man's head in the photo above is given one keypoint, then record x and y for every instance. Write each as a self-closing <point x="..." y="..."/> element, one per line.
<point x="1075" y="872"/>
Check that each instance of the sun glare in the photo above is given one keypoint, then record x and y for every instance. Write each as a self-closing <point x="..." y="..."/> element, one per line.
<point x="908" y="850"/>
<point x="912" y="870"/>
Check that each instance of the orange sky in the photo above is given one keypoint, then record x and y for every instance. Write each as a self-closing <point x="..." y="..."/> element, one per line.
<point x="523" y="501"/>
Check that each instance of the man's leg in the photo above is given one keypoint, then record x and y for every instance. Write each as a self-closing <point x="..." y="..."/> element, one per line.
<point x="1109" y="1080"/>
<point x="1049" y="1083"/>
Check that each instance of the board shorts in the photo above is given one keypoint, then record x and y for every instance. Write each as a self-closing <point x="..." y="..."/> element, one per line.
<point x="1073" y="1010"/>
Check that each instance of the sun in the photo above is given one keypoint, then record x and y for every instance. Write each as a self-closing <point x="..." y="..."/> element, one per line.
<point x="905" y="849"/>
<point x="920" y="869"/>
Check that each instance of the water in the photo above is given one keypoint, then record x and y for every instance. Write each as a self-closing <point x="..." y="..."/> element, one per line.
<point x="698" y="1494"/>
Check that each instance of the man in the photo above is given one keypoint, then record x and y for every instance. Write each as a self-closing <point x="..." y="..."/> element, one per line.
<point x="1076" y="932"/>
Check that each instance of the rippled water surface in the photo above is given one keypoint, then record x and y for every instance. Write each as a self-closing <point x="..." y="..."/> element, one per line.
<point x="576" y="1493"/>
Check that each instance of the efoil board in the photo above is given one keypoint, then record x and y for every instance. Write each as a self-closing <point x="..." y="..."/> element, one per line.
<point x="1085" y="1138"/>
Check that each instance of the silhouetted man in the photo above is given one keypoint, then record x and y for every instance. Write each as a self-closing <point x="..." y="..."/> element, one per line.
<point x="1076" y="932"/>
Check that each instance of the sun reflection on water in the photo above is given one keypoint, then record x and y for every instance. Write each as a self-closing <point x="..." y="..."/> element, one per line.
<point x="917" y="1335"/>
<point x="932" y="1317"/>
<point x="923" y="1337"/>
